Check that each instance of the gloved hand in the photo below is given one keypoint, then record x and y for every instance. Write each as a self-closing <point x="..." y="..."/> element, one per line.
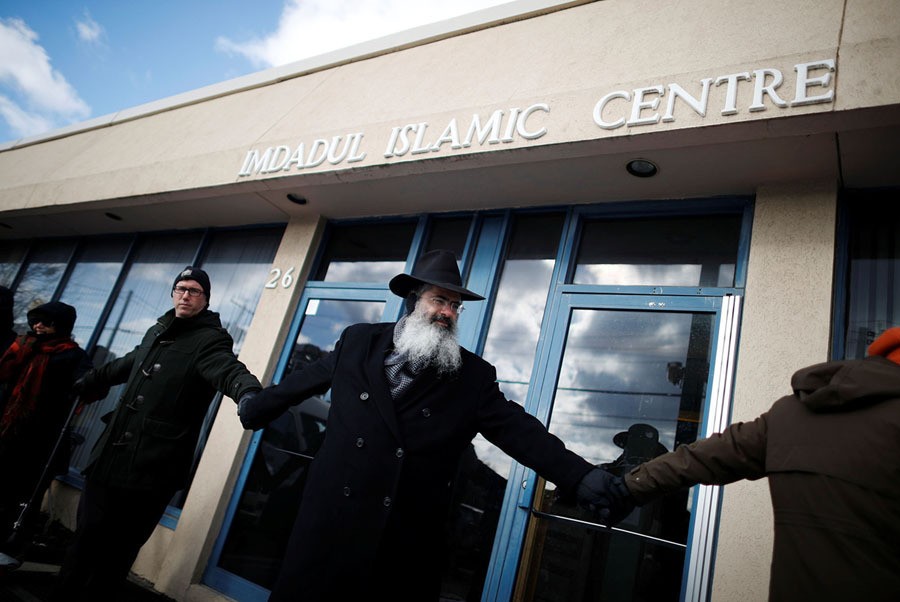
<point x="606" y="495"/>
<point x="243" y="408"/>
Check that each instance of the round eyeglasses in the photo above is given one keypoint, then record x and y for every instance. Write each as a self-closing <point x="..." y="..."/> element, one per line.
<point x="443" y="303"/>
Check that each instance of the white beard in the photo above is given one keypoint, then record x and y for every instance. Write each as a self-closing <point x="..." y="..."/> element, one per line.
<point x="423" y="341"/>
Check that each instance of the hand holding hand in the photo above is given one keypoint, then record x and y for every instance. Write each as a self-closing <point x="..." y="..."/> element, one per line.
<point x="605" y="494"/>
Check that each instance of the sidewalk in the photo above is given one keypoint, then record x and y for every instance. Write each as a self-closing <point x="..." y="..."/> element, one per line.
<point x="33" y="582"/>
<point x="35" y="579"/>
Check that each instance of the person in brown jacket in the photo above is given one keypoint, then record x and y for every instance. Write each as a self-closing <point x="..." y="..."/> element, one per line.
<point x="831" y="452"/>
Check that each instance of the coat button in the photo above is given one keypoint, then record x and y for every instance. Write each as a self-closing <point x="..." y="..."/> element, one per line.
<point x="426" y="412"/>
<point x="127" y="436"/>
<point x="139" y="399"/>
<point x="364" y="396"/>
<point x="387" y="502"/>
<point x="399" y="452"/>
<point x="346" y="492"/>
<point x="360" y="442"/>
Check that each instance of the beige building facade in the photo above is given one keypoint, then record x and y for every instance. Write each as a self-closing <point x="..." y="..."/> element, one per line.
<point x="778" y="119"/>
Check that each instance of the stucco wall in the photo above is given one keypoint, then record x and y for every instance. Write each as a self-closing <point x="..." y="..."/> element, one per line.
<point x="568" y="59"/>
<point x="785" y="326"/>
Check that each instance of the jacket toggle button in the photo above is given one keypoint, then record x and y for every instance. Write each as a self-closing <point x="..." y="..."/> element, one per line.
<point x="124" y="439"/>
<point x="360" y="442"/>
<point x="426" y="412"/>
<point x="364" y="396"/>
<point x="346" y="492"/>
<point x="399" y="452"/>
<point x="387" y="502"/>
<point x="136" y="404"/>
<point x="148" y="372"/>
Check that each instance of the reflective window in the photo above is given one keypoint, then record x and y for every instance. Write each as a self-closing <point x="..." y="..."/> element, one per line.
<point x="11" y="255"/>
<point x="44" y="270"/>
<point x="370" y="252"/>
<point x="271" y="495"/>
<point x="145" y="295"/>
<point x="238" y="263"/>
<point x="659" y="251"/>
<point x="873" y="292"/>
<point x="510" y="345"/>
<point x="91" y="282"/>
<point x="631" y="386"/>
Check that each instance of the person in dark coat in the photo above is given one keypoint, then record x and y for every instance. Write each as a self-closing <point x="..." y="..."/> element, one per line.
<point x="146" y="450"/>
<point x="406" y="402"/>
<point x="7" y="332"/>
<point x="831" y="452"/>
<point x="36" y="376"/>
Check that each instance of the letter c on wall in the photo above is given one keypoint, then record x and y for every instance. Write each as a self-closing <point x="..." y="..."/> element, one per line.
<point x="598" y="110"/>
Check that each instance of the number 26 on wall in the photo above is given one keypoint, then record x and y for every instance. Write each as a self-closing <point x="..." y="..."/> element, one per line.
<point x="286" y="278"/>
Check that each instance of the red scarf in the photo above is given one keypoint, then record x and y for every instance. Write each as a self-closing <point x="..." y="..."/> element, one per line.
<point x="22" y="369"/>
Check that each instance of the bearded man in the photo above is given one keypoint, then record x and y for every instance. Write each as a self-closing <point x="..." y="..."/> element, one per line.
<point x="406" y="402"/>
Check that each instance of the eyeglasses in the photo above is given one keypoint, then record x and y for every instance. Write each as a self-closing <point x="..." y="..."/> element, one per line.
<point x="182" y="290"/>
<point x="443" y="303"/>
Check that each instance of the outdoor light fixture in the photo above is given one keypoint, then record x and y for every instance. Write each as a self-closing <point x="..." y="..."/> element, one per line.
<point x="299" y="200"/>
<point x="641" y="168"/>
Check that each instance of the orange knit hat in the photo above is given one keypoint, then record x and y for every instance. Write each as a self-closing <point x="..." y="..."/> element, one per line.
<point x="887" y="345"/>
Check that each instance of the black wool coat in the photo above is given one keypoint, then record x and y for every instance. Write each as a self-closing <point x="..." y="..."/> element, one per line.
<point x="370" y="525"/>
<point x="172" y="377"/>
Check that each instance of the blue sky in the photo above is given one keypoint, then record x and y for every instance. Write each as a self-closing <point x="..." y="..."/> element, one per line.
<point x="65" y="61"/>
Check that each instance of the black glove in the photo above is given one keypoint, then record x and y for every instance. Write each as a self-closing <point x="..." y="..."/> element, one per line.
<point x="79" y="385"/>
<point x="606" y="495"/>
<point x="243" y="407"/>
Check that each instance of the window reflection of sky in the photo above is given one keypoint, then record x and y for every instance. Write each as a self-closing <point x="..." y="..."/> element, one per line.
<point x="512" y="338"/>
<point x="363" y="271"/>
<point x="649" y="275"/>
<point x="323" y="328"/>
<point x="614" y="374"/>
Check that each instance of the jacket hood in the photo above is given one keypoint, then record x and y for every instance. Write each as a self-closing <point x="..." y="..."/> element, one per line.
<point x="61" y="315"/>
<point x="846" y="385"/>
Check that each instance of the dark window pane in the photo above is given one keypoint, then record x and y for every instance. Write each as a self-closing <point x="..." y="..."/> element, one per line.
<point x="449" y="233"/>
<point x="659" y="251"/>
<point x="371" y="252"/>
<point x="873" y="299"/>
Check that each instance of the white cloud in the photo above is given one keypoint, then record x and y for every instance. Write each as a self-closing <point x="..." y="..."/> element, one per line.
<point x="312" y="27"/>
<point x="35" y="97"/>
<point x="88" y="30"/>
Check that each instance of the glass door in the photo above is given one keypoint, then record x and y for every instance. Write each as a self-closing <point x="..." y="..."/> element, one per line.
<point x="247" y="556"/>
<point x="625" y="379"/>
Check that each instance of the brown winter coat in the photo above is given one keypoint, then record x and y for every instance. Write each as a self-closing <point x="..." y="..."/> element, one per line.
<point x="831" y="452"/>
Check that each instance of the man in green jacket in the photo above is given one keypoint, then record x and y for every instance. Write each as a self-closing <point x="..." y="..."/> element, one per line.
<point x="145" y="453"/>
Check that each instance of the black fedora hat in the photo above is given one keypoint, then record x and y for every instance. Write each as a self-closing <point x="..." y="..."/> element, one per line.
<point x="437" y="268"/>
